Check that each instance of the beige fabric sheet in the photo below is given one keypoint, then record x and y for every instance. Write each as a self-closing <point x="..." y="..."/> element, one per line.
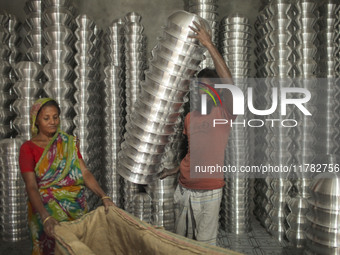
<point x="120" y="233"/>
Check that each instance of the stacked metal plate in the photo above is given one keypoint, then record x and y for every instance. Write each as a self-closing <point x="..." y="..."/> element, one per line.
<point x="6" y="97"/>
<point x="141" y="206"/>
<point x="324" y="213"/>
<point x="58" y="50"/>
<point x="113" y="111"/>
<point x="27" y="89"/>
<point x="235" y="34"/>
<point x="134" y="42"/>
<point x="34" y="40"/>
<point x="162" y="194"/>
<point x="88" y="108"/>
<point x="158" y="107"/>
<point x="207" y="9"/>
<point x="13" y="205"/>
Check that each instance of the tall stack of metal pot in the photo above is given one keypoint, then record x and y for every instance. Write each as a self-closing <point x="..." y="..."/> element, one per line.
<point x="235" y="48"/>
<point x="59" y="38"/>
<point x="157" y="109"/>
<point x="13" y="199"/>
<point x="207" y="9"/>
<point x="113" y="129"/>
<point x="275" y="43"/>
<point x="88" y="109"/>
<point x="27" y="89"/>
<point x="304" y="136"/>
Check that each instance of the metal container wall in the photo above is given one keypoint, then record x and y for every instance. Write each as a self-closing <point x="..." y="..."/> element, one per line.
<point x="159" y="104"/>
<point x="235" y="34"/>
<point x="7" y="96"/>
<point x="59" y="37"/>
<point x="34" y="41"/>
<point x="162" y="195"/>
<point x="208" y="11"/>
<point x="13" y="199"/>
<point x="27" y="89"/>
<point x="324" y="212"/>
<point x="88" y="109"/>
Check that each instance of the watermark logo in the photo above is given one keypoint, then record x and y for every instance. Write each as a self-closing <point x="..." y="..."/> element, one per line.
<point x="239" y="101"/>
<point x="204" y="97"/>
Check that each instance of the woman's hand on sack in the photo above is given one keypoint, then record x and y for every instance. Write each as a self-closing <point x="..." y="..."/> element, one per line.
<point x="201" y="34"/>
<point x="107" y="202"/>
<point x="49" y="226"/>
<point x="168" y="172"/>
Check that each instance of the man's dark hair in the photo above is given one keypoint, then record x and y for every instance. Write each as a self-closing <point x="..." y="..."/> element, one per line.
<point x="208" y="73"/>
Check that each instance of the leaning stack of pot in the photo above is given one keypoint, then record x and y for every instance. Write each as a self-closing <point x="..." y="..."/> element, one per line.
<point x="13" y="199"/>
<point x="6" y="98"/>
<point x="207" y="9"/>
<point x="235" y="48"/>
<point x="27" y="89"/>
<point x="59" y="39"/>
<point x="159" y="104"/>
<point x="324" y="213"/>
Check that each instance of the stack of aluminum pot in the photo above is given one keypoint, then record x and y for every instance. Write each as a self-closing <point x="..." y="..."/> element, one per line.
<point x="7" y="97"/>
<point x="58" y="34"/>
<point x="152" y="124"/>
<point x="27" y="89"/>
<point x="207" y="9"/>
<point x="235" y="49"/>
<point x="13" y="200"/>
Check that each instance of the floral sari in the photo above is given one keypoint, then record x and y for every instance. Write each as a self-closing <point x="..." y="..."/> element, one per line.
<point x="61" y="187"/>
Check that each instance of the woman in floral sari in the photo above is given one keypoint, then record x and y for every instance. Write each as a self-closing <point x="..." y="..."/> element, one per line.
<point x="55" y="176"/>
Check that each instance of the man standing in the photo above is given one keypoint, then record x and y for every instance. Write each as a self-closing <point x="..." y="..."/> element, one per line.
<point x="198" y="195"/>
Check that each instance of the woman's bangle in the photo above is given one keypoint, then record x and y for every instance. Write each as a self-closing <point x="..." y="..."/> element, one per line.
<point x="46" y="219"/>
<point x="106" y="197"/>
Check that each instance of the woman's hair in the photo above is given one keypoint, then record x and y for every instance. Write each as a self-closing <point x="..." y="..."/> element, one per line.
<point x="50" y="103"/>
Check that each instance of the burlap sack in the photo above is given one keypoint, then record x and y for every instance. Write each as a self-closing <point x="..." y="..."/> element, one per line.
<point x="120" y="233"/>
